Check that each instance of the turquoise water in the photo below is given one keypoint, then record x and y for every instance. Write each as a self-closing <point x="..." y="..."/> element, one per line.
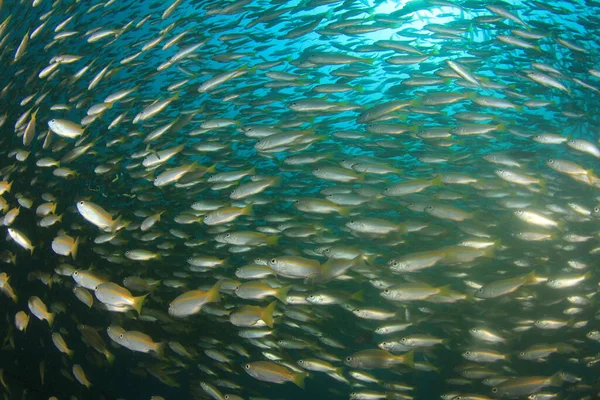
<point x="340" y="166"/>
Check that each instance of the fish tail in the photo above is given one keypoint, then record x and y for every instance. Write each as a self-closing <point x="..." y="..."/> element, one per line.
<point x="247" y="210"/>
<point x="358" y="296"/>
<point x="213" y="294"/>
<point x="110" y="357"/>
<point x="556" y="379"/>
<point x="138" y="302"/>
<point x="590" y="175"/>
<point x="282" y="293"/>
<point x="530" y="278"/>
<point x="115" y="224"/>
<point x="50" y="318"/>
<point x="160" y="349"/>
<point x="267" y="314"/>
<point x="437" y="181"/>
<point x="445" y="290"/>
<point x="273" y="240"/>
<point x="409" y="358"/>
<point x="74" y="248"/>
<point x="344" y="211"/>
<point x="299" y="379"/>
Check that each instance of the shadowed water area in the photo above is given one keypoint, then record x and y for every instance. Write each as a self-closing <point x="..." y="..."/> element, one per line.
<point x="319" y="199"/>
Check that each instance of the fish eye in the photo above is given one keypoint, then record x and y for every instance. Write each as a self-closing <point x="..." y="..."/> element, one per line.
<point x="386" y="291"/>
<point x="395" y="264"/>
<point x="301" y="362"/>
<point x="473" y="329"/>
<point x="228" y="235"/>
<point x="273" y="261"/>
<point x="247" y="366"/>
<point x="468" y="353"/>
<point x="348" y="359"/>
<point x="596" y="209"/>
<point x="550" y="161"/>
<point x="76" y="273"/>
<point x="403" y="340"/>
<point x="480" y="290"/>
<point x="495" y="390"/>
<point x="238" y="270"/>
<point x="522" y="353"/>
<point x="121" y="336"/>
<point x="296" y="201"/>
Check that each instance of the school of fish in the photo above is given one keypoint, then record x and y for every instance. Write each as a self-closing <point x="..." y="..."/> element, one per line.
<point x="368" y="199"/>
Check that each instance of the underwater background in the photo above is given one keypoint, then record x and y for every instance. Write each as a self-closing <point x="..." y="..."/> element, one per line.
<point x="318" y="199"/>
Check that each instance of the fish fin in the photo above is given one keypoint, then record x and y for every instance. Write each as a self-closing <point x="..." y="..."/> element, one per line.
<point x="358" y="296"/>
<point x="70" y="353"/>
<point x="563" y="348"/>
<point x="110" y="357"/>
<point x="501" y="127"/>
<point x="51" y="318"/>
<point x="470" y="297"/>
<point x="445" y="290"/>
<point x="115" y="224"/>
<point x="282" y="293"/>
<point x="590" y="175"/>
<point x="213" y="295"/>
<point x="530" y="278"/>
<point x="273" y="240"/>
<point x="471" y="96"/>
<point x="344" y="211"/>
<point x="211" y="169"/>
<point x="409" y="358"/>
<point x="160" y="349"/>
<point x="543" y="185"/>
<point x="138" y="302"/>
<point x="299" y="379"/>
<point x="437" y="181"/>
<point x="247" y="210"/>
<point x="31" y="250"/>
<point x="267" y="314"/>
<point x="556" y="379"/>
<point x="74" y="248"/>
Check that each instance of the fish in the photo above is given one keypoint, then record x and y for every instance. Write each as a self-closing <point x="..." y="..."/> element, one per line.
<point x="360" y="197"/>
<point x="274" y="373"/>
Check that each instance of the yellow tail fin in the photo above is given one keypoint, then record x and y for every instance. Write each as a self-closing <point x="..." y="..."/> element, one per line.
<point x="267" y="314"/>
